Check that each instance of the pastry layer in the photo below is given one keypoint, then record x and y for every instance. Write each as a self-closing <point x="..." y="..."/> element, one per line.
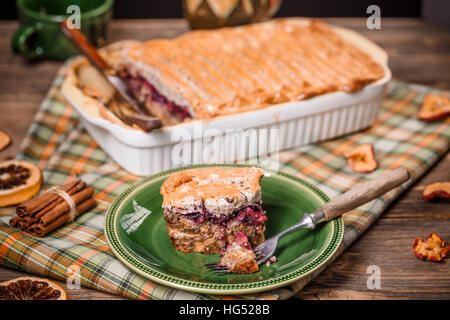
<point x="230" y="70"/>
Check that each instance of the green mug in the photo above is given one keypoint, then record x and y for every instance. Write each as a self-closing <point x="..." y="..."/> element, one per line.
<point x="39" y="36"/>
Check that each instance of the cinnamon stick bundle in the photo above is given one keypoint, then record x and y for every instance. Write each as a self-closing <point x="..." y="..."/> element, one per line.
<point x="41" y="215"/>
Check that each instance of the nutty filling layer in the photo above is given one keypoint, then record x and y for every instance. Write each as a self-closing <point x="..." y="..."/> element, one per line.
<point x="146" y="93"/>
<point x="253" y="215"/>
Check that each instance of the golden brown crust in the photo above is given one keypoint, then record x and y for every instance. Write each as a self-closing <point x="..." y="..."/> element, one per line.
<point x="249" y="266"/>
<point x="240" y="69"/>
<point x="210" y="183"/>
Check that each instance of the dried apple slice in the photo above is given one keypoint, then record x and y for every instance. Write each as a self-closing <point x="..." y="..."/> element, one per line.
<point x="432" y="250"/>
<point x="362" y="159"/>
<point x="434" y="107"/>
<point x="5" y="140"/>
<point x="31" y="288"/>
<point x="437" y="190"/>
<point x="19" y="181"/>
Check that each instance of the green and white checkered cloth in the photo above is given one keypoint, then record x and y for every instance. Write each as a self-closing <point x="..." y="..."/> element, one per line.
<point x="62" y="148"/>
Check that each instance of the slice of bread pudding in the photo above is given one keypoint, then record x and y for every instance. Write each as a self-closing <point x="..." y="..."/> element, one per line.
<point x="204" y="209"/>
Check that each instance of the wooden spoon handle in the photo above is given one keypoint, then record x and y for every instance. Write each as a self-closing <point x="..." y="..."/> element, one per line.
<point x="364" y="193"/>
<point x="144" y="121"/>
<point x="80" y="41"/>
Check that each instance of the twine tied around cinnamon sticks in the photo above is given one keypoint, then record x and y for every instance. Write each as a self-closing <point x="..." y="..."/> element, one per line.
<point x="72" y="206"/>
<point x="54" y="208"/>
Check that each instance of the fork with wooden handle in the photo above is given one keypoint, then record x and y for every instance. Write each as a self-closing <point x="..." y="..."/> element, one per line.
<point x="348" y="201"/>
<point x="142" y="118"/>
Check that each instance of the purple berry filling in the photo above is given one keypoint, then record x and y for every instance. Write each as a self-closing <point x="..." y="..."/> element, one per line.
<point x="197" y="217"/>
<point x="253" y="215"/>
<point x="146" y="92"/>
<point x="241" y="239"/>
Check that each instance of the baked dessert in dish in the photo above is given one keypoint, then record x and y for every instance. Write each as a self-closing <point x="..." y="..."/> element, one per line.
<point x="204" y="209"/>
<point x="238" y="256"/>
<point x="315" y="118"/>
<point x="205" y="74"/>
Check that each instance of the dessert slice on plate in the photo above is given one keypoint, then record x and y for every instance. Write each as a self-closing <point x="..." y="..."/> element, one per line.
<point x="238" y="256"/>
<point x="205" y="209"/>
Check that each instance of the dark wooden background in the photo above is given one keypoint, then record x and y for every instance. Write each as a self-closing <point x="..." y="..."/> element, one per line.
<point x="437" y="11"/>
<point x="419" y="52"/>
<point x="139" y="9"/>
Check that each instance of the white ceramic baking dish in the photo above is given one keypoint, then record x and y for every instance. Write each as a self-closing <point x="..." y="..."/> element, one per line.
<point x="245" y="135"/>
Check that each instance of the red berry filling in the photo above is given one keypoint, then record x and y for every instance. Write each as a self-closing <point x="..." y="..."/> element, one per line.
<point x="253" y="215"/>
<point x="145" y="92"/>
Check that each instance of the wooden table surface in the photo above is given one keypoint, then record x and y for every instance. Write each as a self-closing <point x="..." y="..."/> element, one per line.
<point x="419" y="52"/>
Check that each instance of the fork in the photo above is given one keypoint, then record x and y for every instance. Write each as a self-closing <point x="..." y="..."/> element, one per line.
<point x="350" y="200"/>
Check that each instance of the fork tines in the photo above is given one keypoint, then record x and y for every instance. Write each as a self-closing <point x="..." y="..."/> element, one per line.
<point x="211" y="265"/>
<point x="216" y="268"/>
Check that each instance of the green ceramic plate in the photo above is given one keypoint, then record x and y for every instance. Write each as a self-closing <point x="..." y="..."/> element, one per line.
<point x="136" y="233"/>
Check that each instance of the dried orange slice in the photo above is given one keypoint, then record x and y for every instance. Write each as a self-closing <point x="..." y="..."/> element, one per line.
<point x="31" y="288"/>
<point x="19" y="181"/>
<point x="5" y="140"/>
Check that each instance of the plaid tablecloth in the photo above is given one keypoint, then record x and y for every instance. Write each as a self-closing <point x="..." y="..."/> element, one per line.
<point x="62" y="148"/>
